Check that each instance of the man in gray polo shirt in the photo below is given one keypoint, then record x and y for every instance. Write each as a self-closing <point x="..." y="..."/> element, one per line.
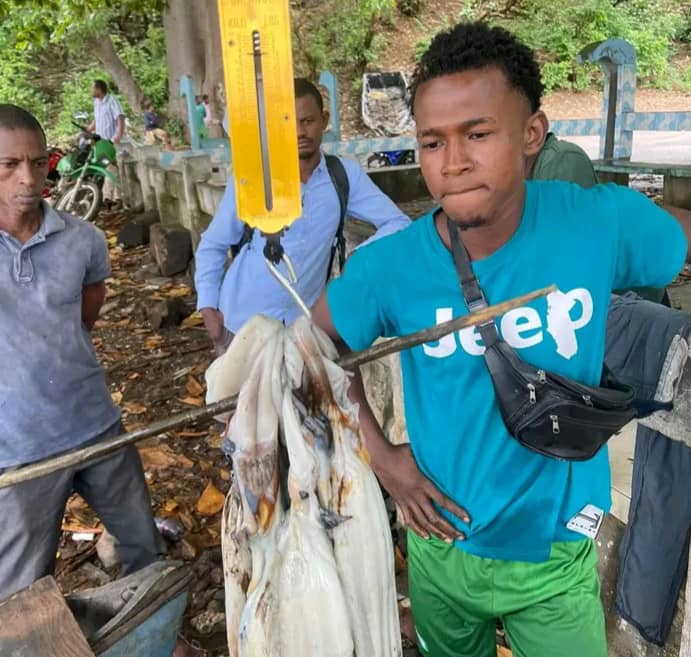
<point x="53" y="393"/>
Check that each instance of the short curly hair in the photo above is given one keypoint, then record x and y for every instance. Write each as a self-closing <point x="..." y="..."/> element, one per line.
<point x="472" y="46"/>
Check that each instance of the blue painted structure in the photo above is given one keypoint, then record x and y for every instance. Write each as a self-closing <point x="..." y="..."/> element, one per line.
<point x="187" y="92"/>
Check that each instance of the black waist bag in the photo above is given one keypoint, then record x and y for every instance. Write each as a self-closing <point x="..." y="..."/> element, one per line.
<point x="546" y="412"/>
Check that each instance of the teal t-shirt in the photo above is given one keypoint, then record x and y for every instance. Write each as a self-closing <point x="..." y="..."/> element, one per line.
<point x="587" y="242"/>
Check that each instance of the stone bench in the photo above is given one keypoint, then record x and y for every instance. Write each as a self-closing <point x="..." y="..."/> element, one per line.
<point x="677" y="178"/>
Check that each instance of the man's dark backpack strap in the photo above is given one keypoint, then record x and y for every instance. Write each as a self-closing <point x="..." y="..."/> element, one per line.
<point x="246" y="238"/>
<point x="339" y="178"/>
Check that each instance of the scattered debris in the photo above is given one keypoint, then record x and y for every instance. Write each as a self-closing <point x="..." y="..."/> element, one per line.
<point x="105" y="548"/>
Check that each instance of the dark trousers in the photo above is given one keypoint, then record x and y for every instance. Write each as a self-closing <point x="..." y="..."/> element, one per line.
<point x="31" y="516"/>
<point x="654" y="550"/>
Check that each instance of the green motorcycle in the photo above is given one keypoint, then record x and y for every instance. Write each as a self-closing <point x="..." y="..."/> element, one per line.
<point x="82" y="172"/>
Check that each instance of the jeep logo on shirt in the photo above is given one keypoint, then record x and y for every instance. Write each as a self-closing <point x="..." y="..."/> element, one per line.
<point x="567" y="312"/>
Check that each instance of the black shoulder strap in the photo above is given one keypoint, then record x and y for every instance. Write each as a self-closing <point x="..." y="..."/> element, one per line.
<point x="247" y="234"/>
<point x="339" y="178"/>
<point x="472" y="292"/>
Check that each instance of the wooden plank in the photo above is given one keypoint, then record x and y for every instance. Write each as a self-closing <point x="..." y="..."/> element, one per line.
<point x="37" y="621"/>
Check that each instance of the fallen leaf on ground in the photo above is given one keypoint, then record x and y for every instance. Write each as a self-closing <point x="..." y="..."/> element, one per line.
<point x="189" y="434"/>
<point x="134" y="375"/>
<point x="178" y="292"/>
<point x="101" y="323"/>
<point x="195" y="319"/>
<point x="133" y="426"/>
<point x="211" y="501"/>
<point x="187" y="520"/>
<point x="116" y="397"/>
<point x="162" y="457"/>
<point x="153" y="341"/>
<point x="224" y="474"/>
<point x="194" y="388"/>
<point x="214" y="440"/>
<point x="133" y="408"/>
<point x="192" y="401"/>
<point x="124" y="322"/>
<point x="170" y="506"/>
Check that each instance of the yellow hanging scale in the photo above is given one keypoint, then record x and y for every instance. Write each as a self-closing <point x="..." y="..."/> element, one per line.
<point x="258" y="65"/>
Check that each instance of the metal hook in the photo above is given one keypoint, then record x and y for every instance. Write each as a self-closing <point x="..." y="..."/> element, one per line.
<point x="288" y="283"/>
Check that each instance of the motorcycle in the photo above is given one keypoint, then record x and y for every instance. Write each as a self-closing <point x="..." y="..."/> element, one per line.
<point x="55" y="154"/>
<point x="82" y="172"/>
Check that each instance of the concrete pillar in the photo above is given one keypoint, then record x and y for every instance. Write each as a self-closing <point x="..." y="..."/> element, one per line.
<point x="677" y="191"/>
<point x="195" y="169"/>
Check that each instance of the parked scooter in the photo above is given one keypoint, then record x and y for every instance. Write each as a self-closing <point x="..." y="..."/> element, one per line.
<point x="82" y="172"/>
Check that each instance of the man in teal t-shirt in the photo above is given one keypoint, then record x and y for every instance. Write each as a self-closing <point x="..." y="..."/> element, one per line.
<point x="489" y="517"/>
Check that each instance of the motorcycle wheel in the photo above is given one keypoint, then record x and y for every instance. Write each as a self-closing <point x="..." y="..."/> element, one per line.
<point x="87" y="201"/>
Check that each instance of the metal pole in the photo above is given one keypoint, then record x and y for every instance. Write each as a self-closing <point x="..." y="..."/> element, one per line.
<point x="92" y="452"/>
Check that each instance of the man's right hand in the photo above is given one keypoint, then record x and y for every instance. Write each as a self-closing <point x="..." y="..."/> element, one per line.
<point x="416" y="495"/>
<point x="219" y="334"/>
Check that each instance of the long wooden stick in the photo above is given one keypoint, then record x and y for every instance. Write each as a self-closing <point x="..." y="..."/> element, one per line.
<point x="92" y="452"/>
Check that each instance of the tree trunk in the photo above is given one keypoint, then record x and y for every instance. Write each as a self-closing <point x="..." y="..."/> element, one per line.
<point x="105" y="52"/>
<point x="214" y="82"/>
<point x="185" y="46"/>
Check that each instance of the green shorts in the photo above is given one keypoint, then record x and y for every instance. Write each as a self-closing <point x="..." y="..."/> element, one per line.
<point x="549" y="609"/>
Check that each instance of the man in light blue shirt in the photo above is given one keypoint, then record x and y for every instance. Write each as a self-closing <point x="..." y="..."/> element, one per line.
<point x="227" y="299"/>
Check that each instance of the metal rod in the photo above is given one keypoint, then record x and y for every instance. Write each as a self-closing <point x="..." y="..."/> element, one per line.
<point x="92" y="452"/>
<point x="287" y="283"/>
<point x="261" y="115"/>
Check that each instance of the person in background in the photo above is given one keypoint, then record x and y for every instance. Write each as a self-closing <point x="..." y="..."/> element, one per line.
<point x="53" y="391"/>
<point x="200" y="116"/>
<point x="153" y="129"/>
<point x="108" y="123"/>
<point x="208" y="118"/>
<point x="228" y="298"/>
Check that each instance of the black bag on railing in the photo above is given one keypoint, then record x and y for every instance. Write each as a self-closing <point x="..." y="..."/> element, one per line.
<point x="546" y="412"/>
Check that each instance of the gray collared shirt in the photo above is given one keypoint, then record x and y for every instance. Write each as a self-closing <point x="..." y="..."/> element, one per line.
<point x="53" y="393"/>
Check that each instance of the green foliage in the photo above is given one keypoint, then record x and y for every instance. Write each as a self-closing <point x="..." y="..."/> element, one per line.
<point x="558" y="31"/>
<point x="147" y="62"/>
<point x="16" y="71"/>
<point x="33" y="35"/>
<point x="176" y="128"/>
<point x="343" y="33"/>
<point x="59" y="21"/>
